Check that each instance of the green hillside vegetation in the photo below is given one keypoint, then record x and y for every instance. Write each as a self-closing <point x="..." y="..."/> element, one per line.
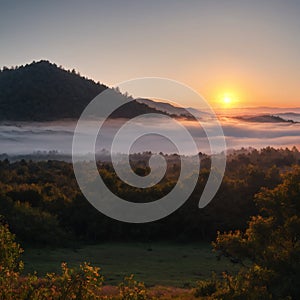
<point x="254" y="222"/>
<point x="43" y="204"/>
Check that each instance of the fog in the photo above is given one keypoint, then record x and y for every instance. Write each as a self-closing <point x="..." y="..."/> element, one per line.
<point x="27" y="138"/>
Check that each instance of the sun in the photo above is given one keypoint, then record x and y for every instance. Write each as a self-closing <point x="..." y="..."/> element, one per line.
<point x="227" y="100"/>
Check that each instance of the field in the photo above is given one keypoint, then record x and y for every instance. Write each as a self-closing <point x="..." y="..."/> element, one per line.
<point x="177" y="265"/>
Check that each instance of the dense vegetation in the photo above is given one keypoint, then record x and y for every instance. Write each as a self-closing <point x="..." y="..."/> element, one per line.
<point x="82" y="283"/>
<point x="42" y="91"/>
<point x="262" y="184"/>
<point x="268" y="250"/>
<point x="43" y="204"/>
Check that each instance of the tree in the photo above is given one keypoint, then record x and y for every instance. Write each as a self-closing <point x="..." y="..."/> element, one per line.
<point x="269" y="249"/>
<point x="83" y="283"/>
<point x="10" y="251"/>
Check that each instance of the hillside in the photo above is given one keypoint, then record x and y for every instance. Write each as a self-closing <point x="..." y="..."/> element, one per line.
<point x="42" y="91"/>
<point x="166" y="107"/>
<point x="187" y="113"/>
<point x="264" y="119"/>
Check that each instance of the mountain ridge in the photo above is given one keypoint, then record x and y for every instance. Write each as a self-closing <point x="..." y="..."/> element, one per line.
<point x="42" y="91"/>
<point x="265" y="118"/>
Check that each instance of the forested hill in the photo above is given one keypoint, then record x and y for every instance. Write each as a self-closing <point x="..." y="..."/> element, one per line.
<point x="42" y="91"/>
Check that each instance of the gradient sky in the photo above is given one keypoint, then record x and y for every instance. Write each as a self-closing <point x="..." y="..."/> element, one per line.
<point x="247" y="50"/>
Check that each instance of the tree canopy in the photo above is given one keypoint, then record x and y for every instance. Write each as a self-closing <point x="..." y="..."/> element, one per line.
<point x="42" y="91"/>
<point x="269" y="249"/>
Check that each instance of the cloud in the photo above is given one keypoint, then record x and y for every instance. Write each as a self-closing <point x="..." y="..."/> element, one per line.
<point x="27" y="138"/>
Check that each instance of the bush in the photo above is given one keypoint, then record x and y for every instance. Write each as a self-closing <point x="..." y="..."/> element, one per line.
<point x="206" y="287"/>
<point x="270" y="247"/>
<point x="130" y="289"/>
<point x="10" y="251"/>
<point x="83" y="283"/>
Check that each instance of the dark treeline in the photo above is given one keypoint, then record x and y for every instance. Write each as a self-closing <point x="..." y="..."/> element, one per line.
<point x="42" y="202"/>
<point x="42" y="91"/>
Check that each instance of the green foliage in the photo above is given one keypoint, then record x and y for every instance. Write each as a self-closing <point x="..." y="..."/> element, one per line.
<point x="43" y="204"/>
<point x="10" y="251"/>
<point x="271" y="244"/>
<point x="130" y="289"/>
<point x="249" y="285"/>
<point x="84" y="283"/>
<point x="42" y="194"/>
<point x="206" y="287"/>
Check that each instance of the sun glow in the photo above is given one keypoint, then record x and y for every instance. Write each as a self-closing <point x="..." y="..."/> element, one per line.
<point x="227" y="100"/>
<point x="227" y="97"/>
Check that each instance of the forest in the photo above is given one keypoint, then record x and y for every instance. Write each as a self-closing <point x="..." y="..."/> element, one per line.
<point x="42" y="91"/>
<point x="253" y="221"/>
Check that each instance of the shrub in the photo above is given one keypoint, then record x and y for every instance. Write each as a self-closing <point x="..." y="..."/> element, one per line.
<point x="130" y="289"/>
<point x="206" y="287"/>
<point x="84" y="283"/>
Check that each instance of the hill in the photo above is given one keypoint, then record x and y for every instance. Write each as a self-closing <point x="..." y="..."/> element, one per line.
<point x="293" y="116"/>
<point x="264" y="119"/>
<point x="42" y="91"/>
<point x="182" y="112"/>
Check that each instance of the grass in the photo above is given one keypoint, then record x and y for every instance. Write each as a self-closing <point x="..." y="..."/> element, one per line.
<point x="177" y="265"/>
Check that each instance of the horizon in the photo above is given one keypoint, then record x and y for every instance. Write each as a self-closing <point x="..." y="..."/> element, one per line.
<point x="234" y="54"/>
<point x="214" y="106"/>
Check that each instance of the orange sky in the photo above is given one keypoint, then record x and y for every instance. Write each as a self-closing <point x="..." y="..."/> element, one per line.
<point x="248" y="49"/>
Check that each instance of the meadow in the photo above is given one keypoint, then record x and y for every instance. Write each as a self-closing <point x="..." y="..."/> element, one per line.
<point x="168" y="264"/>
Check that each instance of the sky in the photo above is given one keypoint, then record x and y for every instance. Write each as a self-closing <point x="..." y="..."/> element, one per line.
<point x="236" y="53"/>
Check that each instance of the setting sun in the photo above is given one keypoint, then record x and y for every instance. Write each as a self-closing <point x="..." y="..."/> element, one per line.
<point x="227" y="96"/>
<point x="227" y="99"/>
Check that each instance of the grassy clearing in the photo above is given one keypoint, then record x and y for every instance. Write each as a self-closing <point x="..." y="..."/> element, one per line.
<point x="178" y="265"/>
